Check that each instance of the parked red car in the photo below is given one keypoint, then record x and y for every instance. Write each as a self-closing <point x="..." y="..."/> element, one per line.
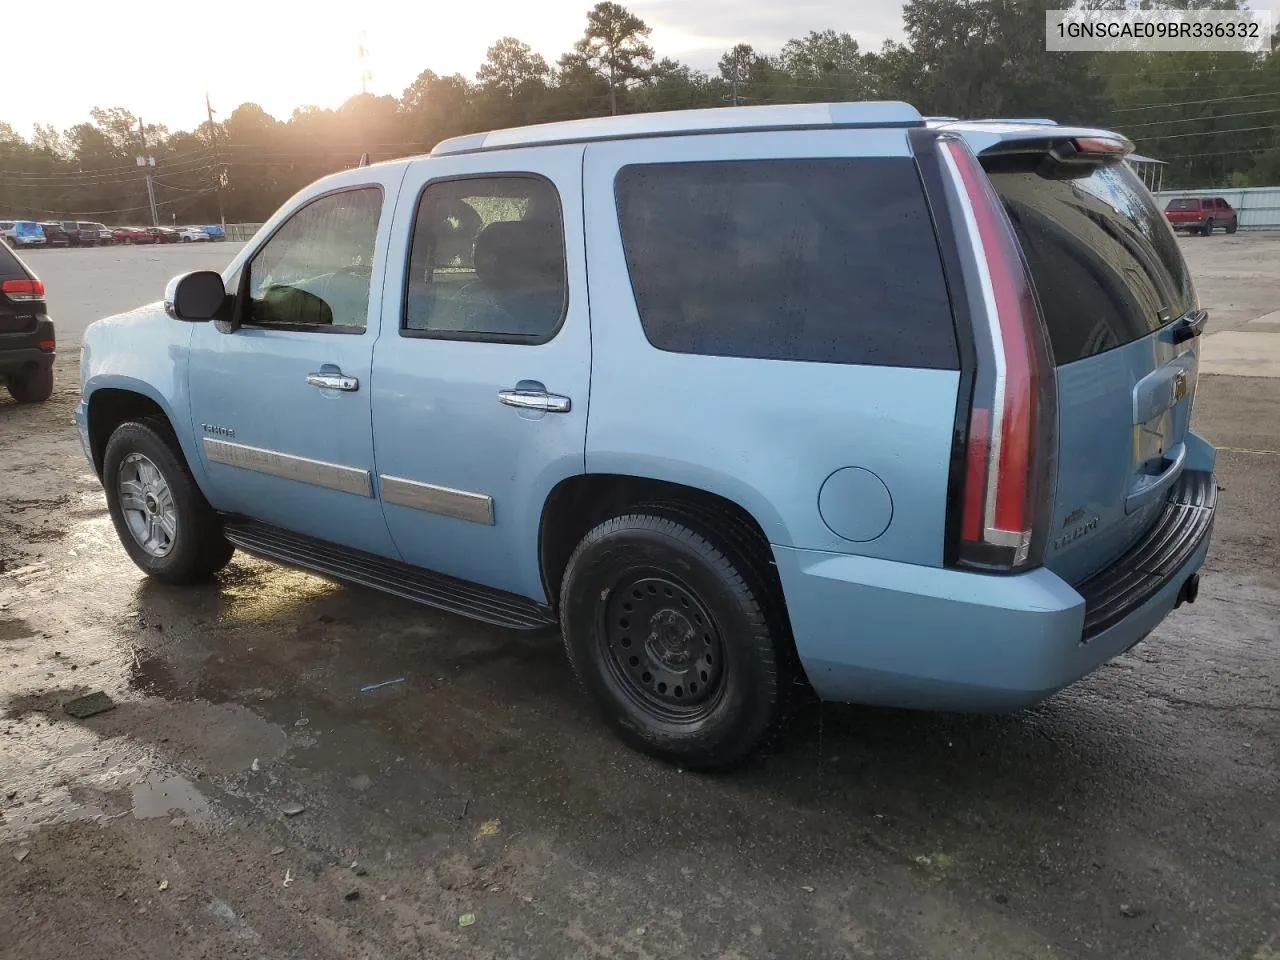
<point x="132" y="235"/>
<point x="1201" y="215"/>
<point x="163" y="235"/>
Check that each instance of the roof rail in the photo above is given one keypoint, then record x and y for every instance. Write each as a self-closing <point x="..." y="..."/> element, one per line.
<point x="885" y="113"/>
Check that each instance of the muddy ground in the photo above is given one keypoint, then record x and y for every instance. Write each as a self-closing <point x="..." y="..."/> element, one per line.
<point x="1136" y="814"/>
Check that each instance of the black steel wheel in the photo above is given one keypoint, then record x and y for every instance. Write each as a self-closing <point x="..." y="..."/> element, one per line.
<point x="671" y="641"/>
<point x="664" y="647"/>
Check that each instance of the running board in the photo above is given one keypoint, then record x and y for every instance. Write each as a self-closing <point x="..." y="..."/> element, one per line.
<point x="497" y="607"/>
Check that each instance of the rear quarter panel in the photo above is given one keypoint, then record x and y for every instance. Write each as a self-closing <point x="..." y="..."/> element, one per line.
<point x="765" y="434"/>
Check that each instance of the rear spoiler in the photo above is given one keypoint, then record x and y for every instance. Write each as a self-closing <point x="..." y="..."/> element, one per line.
<point x="1067" y="151"/>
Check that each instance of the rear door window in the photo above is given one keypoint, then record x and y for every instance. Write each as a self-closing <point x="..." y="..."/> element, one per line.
<point x="1106" y="266"/>
<point x="488" y="261"/>
<point x="827" y="260"/>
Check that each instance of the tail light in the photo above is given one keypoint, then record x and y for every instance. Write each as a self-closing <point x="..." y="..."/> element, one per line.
<point x="1010" y="458"/>
<point x="46" y="345"/>
<point x="23" y="289"/>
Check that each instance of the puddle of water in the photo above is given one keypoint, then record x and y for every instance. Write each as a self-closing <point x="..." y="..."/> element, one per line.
<point x="161" y="795"/>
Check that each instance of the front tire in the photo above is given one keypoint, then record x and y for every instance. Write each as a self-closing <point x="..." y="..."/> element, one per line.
<point x="163" y="520"/>
<point x="33" y="386"/>
<point x="671" y="641"/>
<point x="1234" y="225"/>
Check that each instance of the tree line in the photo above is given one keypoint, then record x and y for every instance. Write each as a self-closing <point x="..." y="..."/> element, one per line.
<point x="1213" y="117"/>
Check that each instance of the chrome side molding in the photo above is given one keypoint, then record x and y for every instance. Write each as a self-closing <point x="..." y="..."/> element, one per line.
<point x="318" y="473"/>
<point x="432" y="498"/>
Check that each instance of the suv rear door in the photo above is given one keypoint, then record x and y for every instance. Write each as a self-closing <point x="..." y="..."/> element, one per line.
<point x="1123" y="318"/>
<point x="481" y="376"/>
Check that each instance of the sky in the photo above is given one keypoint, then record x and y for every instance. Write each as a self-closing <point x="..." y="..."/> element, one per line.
<point x="158" y="60"/>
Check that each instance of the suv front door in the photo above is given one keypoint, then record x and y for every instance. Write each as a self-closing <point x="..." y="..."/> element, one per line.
<point x="281" y="404"/>
<point x="480" y="396"/>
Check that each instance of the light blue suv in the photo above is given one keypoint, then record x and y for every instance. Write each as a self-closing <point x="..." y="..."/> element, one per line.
<point x="735" y="397"/>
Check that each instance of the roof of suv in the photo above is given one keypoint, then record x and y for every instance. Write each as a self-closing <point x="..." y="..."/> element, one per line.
<point x="886" y="113"/>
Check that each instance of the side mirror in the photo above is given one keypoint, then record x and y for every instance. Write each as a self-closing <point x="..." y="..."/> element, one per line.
<point x="195" y="297"/>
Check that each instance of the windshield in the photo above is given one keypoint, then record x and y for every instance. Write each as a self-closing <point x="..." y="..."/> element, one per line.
<point x="1106" y="266"/>
<point x="25" y="228"/>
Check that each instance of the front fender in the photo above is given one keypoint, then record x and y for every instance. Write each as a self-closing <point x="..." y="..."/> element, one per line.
<point x="143" y="352"/>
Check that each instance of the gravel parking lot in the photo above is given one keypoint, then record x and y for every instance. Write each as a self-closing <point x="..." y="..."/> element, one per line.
<point x="477" y="809"/>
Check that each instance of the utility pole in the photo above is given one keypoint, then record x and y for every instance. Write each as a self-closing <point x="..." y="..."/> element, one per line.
<point x="362" y="51"/>
<point x="148" y="165"/>
<point x="217" y="165"/>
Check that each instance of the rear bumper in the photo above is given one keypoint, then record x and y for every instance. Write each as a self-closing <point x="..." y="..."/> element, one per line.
<point x="874" y="631"/>
<point x="25" y="358"/>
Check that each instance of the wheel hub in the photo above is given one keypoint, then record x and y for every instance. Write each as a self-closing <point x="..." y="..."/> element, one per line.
<point x="671" y="637"/>
<point x="147" y="505"/>
<point x="664" y="647"/>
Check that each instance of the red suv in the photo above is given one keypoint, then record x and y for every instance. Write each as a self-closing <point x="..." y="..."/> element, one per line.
<point x="1201" y="215"/>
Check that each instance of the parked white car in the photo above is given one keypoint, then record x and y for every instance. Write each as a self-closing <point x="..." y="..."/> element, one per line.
<point x="193" y="235"/>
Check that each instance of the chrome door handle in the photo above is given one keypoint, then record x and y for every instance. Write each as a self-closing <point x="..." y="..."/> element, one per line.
<point x="535" y="400"/>
<point x="333" y="381"/>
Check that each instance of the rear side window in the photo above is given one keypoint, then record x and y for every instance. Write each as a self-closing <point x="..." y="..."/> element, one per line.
<point x="825" y="260"/>
<point x="487" y="261"/>
<point x="1106" y="266"/>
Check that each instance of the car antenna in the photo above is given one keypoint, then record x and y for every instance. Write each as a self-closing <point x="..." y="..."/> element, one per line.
<point x="364" y="160"/>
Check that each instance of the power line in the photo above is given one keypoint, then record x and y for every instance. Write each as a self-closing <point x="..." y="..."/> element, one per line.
<point x="114" y="211"/>
<point x="1211" y="153"/>
<point x="105" y="171"/>
<point x="93" y="177"/>
<point x="1205" y="133"/>
<point x="1192" y="103"/>
<point x="1220" y="116"/>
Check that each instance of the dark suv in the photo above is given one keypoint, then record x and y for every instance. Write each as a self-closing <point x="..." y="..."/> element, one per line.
<point x="26" y="332"/>
<point x="81" y="233"/>
<point x="55" y="235"/>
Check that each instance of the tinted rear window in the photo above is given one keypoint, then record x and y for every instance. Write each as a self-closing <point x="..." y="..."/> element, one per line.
<point x="9" y="265"/>
<point x="1105" y="263"/>
<point x="1183" y="204"/>
<point x="827" y="260"/>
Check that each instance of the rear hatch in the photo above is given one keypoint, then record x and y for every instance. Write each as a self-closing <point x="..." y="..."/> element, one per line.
<point x="21" y="302"/>
<point x="1123" y="322"/>
<point x="1183" y="210"/>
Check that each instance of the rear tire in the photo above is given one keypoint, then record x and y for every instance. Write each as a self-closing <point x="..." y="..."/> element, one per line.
<point x="671" y="641"/>
<point x="146" y="479"/>
<point x="1207" y="229"/>
<point x="32" y="387"/>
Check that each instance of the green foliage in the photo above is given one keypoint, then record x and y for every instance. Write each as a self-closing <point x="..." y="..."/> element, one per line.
<point x="1215" y="117"/>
